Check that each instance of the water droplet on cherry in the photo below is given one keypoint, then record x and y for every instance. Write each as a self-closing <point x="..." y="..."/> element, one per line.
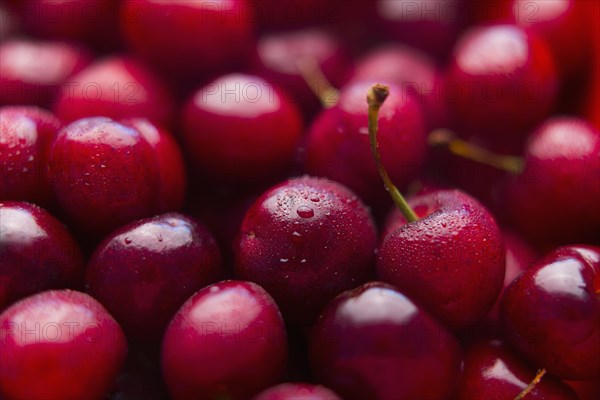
<point x="305" y="212"/>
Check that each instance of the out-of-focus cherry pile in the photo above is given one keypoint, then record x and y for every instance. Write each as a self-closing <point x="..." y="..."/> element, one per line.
<point x="190" y="207"/>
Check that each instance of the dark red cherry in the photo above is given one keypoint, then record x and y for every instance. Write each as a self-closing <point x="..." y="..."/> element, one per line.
<point x="106" y="174"/>
<point x="451" y="260"/>
<point x="116" y="87"/>
<point x="289" y="59"/>
<point x="297" y="391"/>
<point x="25" y="137"/>
<point x="496" y="71"/>
<point x="554" y="199"/>
<point x="411" y="70"/>
<point x="277" y="15"/>
<point x="591" y="102"/>
<point x="37" y="253"/>
<point x="32" y="72"/>
<point x="90" y="21"/>
<point x="241" y="129"/>
<point x="551" y="313"/>
<point x="305" y="241"/>
<point x="586" y="390"/>
<point x="188" y="38"/>
<point x="375" y="343"/>
<point x="227" y="341"/>
<point x="337" y="146"/>
<point x="62" y="340"/>
<point x="146" y="270"/>
<point x="492" y="371"/>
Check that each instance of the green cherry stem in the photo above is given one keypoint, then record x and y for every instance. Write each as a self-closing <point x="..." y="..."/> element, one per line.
<point x="532" y="384"/>
<point x="375" y="98"/>
<point x="471" y="151"/>
<point x="317" y="81"/>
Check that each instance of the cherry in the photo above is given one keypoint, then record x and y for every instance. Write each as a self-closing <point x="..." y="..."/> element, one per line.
<point x="586" y="390"/>
<point x="551" y="313"/>
<point x="412" y="70"/>
<point x="62" y="340"/>
<point x="25" y="136"/>
<point x="560" y="160"/>
<point x="37" y="253"/>
<point x="32" y="72"/>
<point x="492" y="371"/>
<point x="116" y="87"/>
<point x="195" y="38"/>
<point x="374" y="342"/>
<point x="241" y="129"/>
<point x="297" y="391"/>
<point x="296" y="60"/>
<point x="337" y="146"/>
<point x="277" y="15"/>
<point x="496" y="71"/>
<point x="227" y="340"/>
<point x="105" y="174"/>
<point x="146" y="270"/>
<point x="90" y="21"/>
<point x="305" y="241"/>
<point x="432" y="26"/>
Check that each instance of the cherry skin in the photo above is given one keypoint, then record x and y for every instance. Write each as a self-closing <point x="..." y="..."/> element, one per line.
<point x="146" y="270"/>
<point x="451" y="260"/>
<point x="277" y="15"/>
<point x="280" y="58"/>
<point x="554" y="199"/>
<point x="32" y="72"/>
<point x="241" y="129"/>
<point x="105" y="174"/>
<point x="25" y="136"/>
<point x="501" y="70"/>
<point x="38" y="253"/>
<point x="337" y="146"/>
<point x="116" y="87"/>
<point x="409" y="69"/>
<point x="195" y="38"/>
<point x="63" y="340"/>
<point x="374" y="342"/>
<point x="493" y="372"/>
<point x="227" y="340"/>
<point x="305" y="241"/>
<point x="297" y="391"/>
<point x="551" y="313"/>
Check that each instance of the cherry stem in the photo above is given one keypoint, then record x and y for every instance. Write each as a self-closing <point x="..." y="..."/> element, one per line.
<point x="375" y="98"/>
<point x="532" y="384"/>
<point x="471" y="151"/>
<point x="317" y="81"/>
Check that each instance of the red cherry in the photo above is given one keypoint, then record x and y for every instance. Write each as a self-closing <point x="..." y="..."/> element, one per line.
<point x="551" y="313"/>
<point x="272" y="15"/>
<point x="241" y="129"/>
<point x="492" y="371"/>
<point x="38" y="253"/>
<point x="561" y="159"/>
<point x="289" y="58"/>
<point x="305" y="241"/>
<point x="496" y="71"/>
<point x="337" y="145"/>
<point x="146" y="270"/>
<point x="106" y="174"/>
<point x="451" y="261"/>
<point x="412" y="70"/>
<point x="373" y="342"/>
<point x="62" y="340"/>
<point x="116" y="87"/>
<point x="32" y="72"/>
<point x="297" y="391"/>
<point x="227" y="340"/>
<point x="188" y="38"/>
<point x="26" y="134"/>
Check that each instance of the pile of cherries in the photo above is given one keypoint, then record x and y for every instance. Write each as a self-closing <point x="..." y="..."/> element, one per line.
<point x="192" y="206"/>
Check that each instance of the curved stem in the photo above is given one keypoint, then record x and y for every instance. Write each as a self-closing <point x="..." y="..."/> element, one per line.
<point x="532" y="385"/>
<point x="375" y="98"/>
<point x="471" y="151"/>
<point x="317" y="81"/>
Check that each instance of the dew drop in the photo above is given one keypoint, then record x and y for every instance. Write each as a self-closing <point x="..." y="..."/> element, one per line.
<point x="283" y="260"/>
<point x="127" y="240"/>
<point x="303" y="260"/>
<point x="297" y="234"/>
<point x="305" y="212"/>
<point x="314" y="198"/>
